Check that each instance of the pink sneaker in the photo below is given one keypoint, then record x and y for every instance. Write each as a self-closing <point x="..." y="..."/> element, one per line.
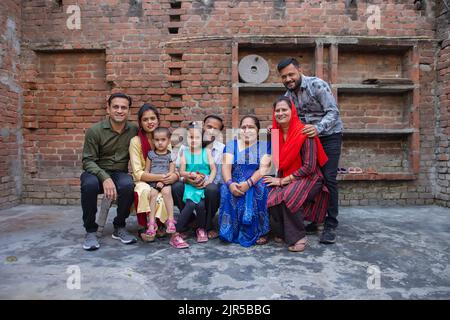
<point x="177" y="242"/>
<point x="170" y="223"/>
<point x="201" y="235"/>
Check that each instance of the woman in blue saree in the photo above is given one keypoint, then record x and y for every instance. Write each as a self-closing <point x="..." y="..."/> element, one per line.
<point x="243" y="214"/>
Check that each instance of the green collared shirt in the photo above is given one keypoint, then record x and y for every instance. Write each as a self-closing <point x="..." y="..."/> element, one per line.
<point x="105" y="150"/>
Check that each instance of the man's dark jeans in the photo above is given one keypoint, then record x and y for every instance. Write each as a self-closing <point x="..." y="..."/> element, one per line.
<point x="332" y="146"/>
<point x="91" y="187"/>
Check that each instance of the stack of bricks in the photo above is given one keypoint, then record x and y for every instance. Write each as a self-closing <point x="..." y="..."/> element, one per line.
<point x="173" y="116"/>
<point x="176" y="55"/>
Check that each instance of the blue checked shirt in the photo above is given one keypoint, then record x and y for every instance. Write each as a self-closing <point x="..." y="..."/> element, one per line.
<point x="316" y="105"/>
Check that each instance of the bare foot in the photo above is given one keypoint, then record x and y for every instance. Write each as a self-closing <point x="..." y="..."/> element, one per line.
<point x="212" y="234"/>
<point x="262" y="240"/>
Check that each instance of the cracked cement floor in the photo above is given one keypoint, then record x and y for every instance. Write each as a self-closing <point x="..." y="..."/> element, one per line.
<point x="409" y="246"/>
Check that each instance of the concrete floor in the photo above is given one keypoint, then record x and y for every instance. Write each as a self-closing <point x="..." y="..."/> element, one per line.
<point x="409" y="246"/>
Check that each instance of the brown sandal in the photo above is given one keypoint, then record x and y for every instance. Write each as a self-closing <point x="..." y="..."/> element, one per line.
<point x="262" y="240"/>
<point x="278" y="240"/>
<point x="213" y="234"/>
<point x="299" y="246"/>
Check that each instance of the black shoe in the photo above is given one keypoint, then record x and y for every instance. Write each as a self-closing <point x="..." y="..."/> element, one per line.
<point x="123" y="235"/>
<point x="328" y="236"/>
<point x="313" y="228"/>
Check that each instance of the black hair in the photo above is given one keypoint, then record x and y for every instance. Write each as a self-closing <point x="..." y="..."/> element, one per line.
<point x="194" y="125"/>
<point x="287" y="61"/>
<point x="213" y="116"/>
<point x="119" y="95"/>
<point x="162" y="130"/>
<point x="282" y="98"/>
<point x="255" y="119"/>
<point x="145" y="107"/>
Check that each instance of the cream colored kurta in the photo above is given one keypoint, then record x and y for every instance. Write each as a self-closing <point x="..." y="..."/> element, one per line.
<point x="137" y="161"/>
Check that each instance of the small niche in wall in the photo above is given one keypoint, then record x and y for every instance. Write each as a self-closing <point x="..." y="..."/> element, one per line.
<point x="176" y="57"/>
<point x="175" y="4"/>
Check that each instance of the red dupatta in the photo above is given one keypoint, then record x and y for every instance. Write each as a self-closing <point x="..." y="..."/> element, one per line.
<point x="145" y="145"/>
<point x="145" y="148"/>
<point x="287" y="158"/>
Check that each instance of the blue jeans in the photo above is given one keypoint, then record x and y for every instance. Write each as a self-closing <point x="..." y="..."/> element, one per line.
<point x="91" y="187"/>
<point x="332" y="145"/>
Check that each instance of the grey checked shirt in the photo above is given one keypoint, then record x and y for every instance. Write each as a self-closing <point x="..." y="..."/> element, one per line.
<point x="316" y="105"/>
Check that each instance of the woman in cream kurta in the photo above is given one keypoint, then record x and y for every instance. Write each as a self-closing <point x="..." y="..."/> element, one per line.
<point x="142" y="189"/>
<point x="148" y="118"/>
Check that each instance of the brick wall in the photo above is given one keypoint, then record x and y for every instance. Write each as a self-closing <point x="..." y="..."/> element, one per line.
<point x="427" y="172"/>
<point x="10" y="104"/>
<point x="369" y="110"/>
<point x="312" y="17"/>
<point x="67" y="95"/>
<point x="177" y="55"/>
<point x="203" y="84"/>
<point x="443" y="108"/>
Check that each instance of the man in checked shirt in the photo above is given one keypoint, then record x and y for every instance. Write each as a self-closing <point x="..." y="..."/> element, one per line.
<point x="317" y="108"/>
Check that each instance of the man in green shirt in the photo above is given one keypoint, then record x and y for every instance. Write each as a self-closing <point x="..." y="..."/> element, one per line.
<point x="105" y="165"/>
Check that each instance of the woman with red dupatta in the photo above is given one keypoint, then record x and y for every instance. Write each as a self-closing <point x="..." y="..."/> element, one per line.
<point x="298" y="192"/>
